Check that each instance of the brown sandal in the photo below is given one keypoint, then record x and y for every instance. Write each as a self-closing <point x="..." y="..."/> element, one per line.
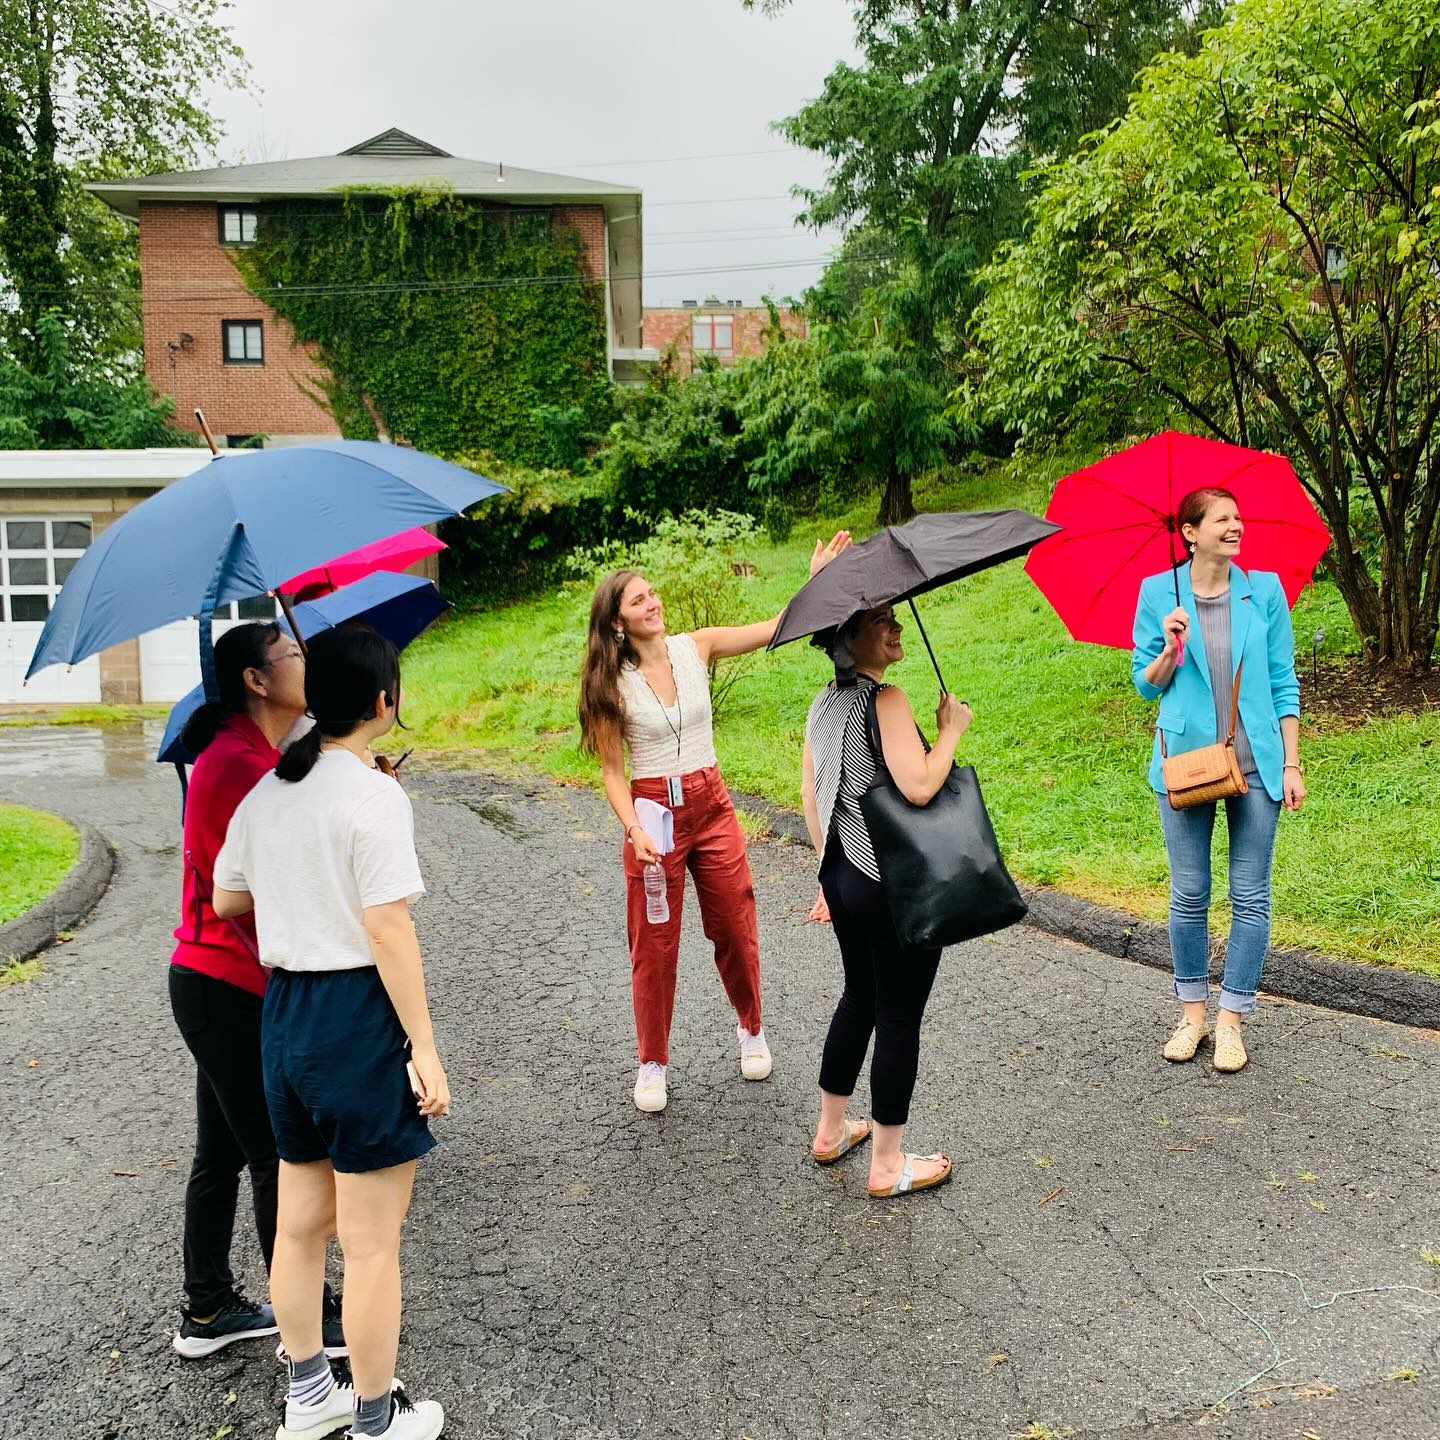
<point x="907" y="1184"/>
<point x="852" y="1140"/>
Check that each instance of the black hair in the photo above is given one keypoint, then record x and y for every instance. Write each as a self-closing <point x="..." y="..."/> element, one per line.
<point x="345" y="669"/>
<point x="246" y="647"/>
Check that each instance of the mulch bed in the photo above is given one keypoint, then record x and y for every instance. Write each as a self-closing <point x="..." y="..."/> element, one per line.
<point x="1350" y="691"/>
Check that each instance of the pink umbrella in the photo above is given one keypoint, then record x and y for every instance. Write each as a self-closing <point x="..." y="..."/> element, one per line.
<point x="395" y="553"/>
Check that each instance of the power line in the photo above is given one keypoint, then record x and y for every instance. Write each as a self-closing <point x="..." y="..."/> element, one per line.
<point x="175" y="298"/>
<point x="667" y="159"/>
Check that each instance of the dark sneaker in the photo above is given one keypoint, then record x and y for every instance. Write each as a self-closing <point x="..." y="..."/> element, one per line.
<point x="239" y="1318"/>
<point x="332" y="1335"/>
<point x="411" y="1419"/>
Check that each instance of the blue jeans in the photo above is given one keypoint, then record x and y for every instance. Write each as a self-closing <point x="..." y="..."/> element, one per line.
<point x="1251" y="818"/>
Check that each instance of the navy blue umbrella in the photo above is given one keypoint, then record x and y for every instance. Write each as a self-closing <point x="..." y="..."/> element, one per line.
<point x="398" y="606"/>
<point x="240" y="526"/>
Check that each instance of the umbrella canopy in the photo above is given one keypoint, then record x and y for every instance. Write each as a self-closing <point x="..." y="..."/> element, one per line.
<point x="395" y="553"/>
<point x="400" y="607"/>
<point x="1118" y="528"/>
<point x="242" y="525"/>
<point x="903" y="561"/>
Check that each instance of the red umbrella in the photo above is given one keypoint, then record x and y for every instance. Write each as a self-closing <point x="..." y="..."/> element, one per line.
<point x="1118" y="527"/>
<point x="395" y="553"/>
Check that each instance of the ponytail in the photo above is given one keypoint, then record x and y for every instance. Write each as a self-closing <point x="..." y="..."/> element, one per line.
<point x="299" y="758"/>
<point x="345" y="669"/>
<point x="246" y="647"/>
<point x="601" y="710"/>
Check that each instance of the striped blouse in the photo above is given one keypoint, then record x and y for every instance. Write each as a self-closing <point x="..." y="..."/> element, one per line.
<point x="836" y="731"/>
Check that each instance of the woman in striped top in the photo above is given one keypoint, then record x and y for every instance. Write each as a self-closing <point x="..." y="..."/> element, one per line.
<point x="886" y="982"/>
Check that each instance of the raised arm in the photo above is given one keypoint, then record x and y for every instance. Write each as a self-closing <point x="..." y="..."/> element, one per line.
<point x="1157" y="639"/>
<point x="719" y="642"/>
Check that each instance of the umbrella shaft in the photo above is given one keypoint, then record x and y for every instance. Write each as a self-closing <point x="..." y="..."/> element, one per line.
<point x="290" y="619"/>
<point x="944" y="688"/>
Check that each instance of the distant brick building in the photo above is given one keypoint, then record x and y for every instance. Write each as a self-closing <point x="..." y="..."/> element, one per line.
<point x="212" y="344"/>
<point x="725" y="331"/>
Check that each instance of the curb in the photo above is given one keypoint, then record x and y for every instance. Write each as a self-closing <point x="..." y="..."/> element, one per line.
<point x="65" y="906"/>
<point x="1380" y="992"/>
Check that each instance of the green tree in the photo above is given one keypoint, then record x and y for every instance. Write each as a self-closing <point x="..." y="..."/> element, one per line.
<point x="81" y="80"/>
<point x="857" y="398"/>
<point x="52" y="405"/>
<point x="1255" y="249"/>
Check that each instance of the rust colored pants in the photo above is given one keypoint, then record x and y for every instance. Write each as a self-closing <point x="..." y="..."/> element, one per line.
<point x="709" y="844"/>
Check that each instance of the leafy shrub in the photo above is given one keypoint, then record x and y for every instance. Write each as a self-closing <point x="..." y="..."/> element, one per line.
<point x="696" y="561"/>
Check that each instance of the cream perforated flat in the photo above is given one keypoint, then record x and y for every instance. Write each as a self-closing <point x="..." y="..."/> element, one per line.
<point x="1183" y="1044"/>
<point x="1230" y="1053"/>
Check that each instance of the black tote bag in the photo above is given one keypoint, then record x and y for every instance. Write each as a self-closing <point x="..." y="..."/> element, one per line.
<point x="940" y="868"/>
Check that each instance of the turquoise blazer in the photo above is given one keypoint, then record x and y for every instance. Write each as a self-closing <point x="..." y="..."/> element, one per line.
<point x="1260" y="633"/>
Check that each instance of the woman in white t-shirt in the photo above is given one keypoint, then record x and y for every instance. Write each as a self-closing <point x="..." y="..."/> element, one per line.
<point x="324" y="851"/>
<point x="647" y="692"/>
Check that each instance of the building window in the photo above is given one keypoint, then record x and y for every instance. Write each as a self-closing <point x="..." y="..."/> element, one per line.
<point x="35" y="558"/>
<point x="238" y="224"/>
<point x="713" y="335"/>
<point x="1335" y="263"/>
<point x="244" y="342"/>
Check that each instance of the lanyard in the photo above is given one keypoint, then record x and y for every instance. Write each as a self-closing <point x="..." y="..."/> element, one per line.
<point x="664" y="713"/>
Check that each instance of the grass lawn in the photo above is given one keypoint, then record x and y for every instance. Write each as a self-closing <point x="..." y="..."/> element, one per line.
<point x="102" y="716"/>
<point x="36" y="851"/>
<point x="1060" y="739"/>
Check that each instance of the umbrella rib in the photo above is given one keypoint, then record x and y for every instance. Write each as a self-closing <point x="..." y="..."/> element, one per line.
<point x="1124" y="494"/>
<point x="1100" y="591"/>
<point x="1066" y="535"/>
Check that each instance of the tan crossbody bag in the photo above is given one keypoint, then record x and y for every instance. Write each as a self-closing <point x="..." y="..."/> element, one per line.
<point x="1200" y="777"/>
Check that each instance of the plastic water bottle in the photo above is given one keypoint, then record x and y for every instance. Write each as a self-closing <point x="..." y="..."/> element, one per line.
<point x="657" y="904"/>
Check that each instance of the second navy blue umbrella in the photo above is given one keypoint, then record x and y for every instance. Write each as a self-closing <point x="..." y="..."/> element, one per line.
<point x="398" y="606"/>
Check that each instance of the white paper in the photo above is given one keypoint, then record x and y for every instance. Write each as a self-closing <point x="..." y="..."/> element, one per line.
<point x="658" y="823"/>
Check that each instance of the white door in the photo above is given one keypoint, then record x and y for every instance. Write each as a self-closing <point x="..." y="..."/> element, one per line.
<point x="170" y="656"/>
<point x="36" y="554"/>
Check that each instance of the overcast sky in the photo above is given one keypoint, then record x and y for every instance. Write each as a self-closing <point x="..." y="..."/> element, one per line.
<point x="626" y="91"/>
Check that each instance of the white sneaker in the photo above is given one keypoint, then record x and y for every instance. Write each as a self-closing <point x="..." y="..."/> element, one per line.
<point x="412" y="1419"/>
<point x="650" y="1093"/>
<point x="311" y="1422"/>
<point x="337" y="1409"/>
<point x="754" y="1054"/>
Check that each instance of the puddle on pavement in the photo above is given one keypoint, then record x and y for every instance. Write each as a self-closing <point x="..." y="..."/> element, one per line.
<point x="497" y="816"/>
<point x="81" y="752"/>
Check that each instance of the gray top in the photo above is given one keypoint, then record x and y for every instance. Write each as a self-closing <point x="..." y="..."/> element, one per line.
<point x="1213" y="614"/>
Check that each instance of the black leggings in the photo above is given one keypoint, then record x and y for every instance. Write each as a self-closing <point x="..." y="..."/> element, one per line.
<point x="886" y="987"/>
<point x="221" y="1026"/>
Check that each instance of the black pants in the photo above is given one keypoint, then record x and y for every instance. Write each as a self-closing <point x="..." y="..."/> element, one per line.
<point x="886" y="987"/>
<point x="221" y="1026"/>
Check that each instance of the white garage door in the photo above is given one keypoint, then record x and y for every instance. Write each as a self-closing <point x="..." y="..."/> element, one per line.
<point x="170" y="656"/>
<point x="36" y="554"/>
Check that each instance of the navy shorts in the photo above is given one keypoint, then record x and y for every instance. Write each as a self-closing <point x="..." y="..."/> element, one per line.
<point x="334" y="1056"/>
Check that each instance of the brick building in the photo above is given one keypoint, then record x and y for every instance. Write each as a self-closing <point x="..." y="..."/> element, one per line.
<point x="725" y="331"/>
<point x="211" y="344"/>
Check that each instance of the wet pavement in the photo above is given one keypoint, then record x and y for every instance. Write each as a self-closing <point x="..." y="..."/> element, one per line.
<point x="576" y="1269"/>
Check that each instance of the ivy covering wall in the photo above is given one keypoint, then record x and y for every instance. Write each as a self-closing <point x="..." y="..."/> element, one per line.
<point x="449" y="321"/>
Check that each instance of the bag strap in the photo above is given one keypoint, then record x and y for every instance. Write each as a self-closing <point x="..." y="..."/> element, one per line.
<point x="1234" y="713"/>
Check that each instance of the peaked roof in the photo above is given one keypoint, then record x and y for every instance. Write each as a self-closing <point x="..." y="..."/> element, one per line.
<point x="394" y="157"/>
<point x="395" y="142"/>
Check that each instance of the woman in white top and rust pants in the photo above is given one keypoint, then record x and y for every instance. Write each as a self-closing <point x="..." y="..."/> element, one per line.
<point x="650" y="692"/>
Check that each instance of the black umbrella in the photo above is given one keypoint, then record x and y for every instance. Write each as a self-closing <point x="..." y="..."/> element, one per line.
<point x="904" y="561"/>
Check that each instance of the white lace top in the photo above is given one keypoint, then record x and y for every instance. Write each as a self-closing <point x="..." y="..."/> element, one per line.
<point x="670" y="740"/>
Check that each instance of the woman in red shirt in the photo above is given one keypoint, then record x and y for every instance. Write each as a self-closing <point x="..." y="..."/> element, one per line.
<point x="217" y="986"/>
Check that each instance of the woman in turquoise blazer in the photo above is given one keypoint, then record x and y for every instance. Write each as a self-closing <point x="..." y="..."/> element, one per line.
<point x="1238" y="619"/>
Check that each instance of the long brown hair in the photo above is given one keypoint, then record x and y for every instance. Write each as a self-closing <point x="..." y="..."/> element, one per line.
<point x="602" y="712"/>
